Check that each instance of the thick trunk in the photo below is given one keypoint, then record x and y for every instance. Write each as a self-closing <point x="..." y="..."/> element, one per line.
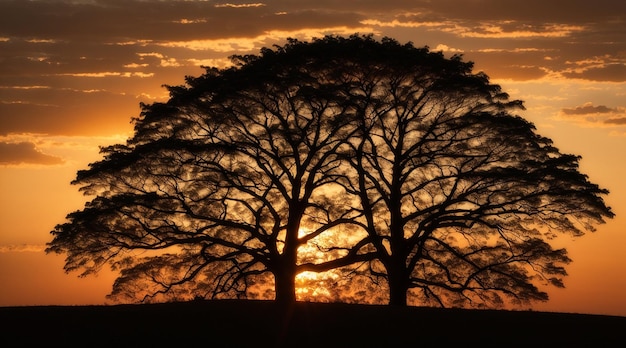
<point x="285" y="301"/>
<point x="285" y="276"/>
<point x="285" y="273"/>
<point x="397" y="294"/>
<point x="398" y="286"/>
<point x="285" y="287"/>
<point x="398" y="275"/>
<point x="285" y="284"/>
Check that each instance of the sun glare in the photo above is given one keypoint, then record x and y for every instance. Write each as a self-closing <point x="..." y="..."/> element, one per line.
<point x="315" y="286"/>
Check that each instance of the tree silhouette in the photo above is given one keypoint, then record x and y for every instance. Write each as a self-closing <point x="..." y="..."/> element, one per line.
<point x="415" y="164"/>
<point x="460" y="195"/>
<point x="227" y="180"/>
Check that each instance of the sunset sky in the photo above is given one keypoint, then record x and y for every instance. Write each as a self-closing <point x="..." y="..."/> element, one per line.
<point x="73" y="72"/>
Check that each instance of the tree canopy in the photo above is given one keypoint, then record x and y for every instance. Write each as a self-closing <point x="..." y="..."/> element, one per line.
<point x="392" y="164"/>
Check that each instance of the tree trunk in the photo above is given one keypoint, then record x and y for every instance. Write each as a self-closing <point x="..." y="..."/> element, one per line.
<point x="285" y="275"/>
<point x="285" y="301"/>
<point x="398" y="287"/>
<point x="285" y="284"/>
<point x="398" y="275"/>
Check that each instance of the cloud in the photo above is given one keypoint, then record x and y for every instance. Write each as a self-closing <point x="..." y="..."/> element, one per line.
<point x="510" y="50"/>
<point x="219" y="63"/>
<point x="24" y="87"/>
<point x="189" y="21"/>
<point x="504" y="29"/>
<point x="403" y="24"/>
<point x="239" y="5"/>
<point x="109" y="74"/>
<point x="596" y="115"/>
<point x="620" y="121"/>
<point x="21" y="248"/>
<point x="124" y="51"/>
<point x="615" y="72"/>
<point x="247" y="44"/>
<point x="25" y="153"/>
<point x="587" y="109"/>
<point x="75" y="109"/>
<point x="576" y="11"/>
<point x="446" y="48"/>
<point x="513" y="30"/>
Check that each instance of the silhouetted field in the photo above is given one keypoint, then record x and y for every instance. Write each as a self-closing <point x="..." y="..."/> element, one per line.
<point x="262" y="324"/>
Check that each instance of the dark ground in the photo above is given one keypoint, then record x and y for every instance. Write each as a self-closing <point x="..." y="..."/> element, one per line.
<point x="261" y="324"/>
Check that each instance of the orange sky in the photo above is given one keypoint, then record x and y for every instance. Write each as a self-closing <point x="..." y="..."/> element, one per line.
<point x="72" y="74"/>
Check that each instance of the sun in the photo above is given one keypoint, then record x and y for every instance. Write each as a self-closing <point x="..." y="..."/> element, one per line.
<point x="313" y="286"/>
<point x="317" y="286"/>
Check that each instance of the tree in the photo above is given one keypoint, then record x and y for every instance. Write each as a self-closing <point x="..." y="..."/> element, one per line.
<point x="227" y="179"/>
<point x="413" y="163"/>
<point x="460" y="195"/>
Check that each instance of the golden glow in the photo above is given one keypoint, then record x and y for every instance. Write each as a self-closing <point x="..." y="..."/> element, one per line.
<point x="240" y="5"/>
<point x="190" y="21"/>
<point x="65" y="97"/>
<point x="110" y="73"/>
<point x="12" y="248"/>
<point x="255" y="43"/>
<point x="313" y="286"/>
<point x="498" y="31"/>
<point x="483" y="30"/>
<point x="404" y="24"/>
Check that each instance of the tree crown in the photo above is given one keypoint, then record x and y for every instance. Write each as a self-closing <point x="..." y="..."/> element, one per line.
<point x="385" y="162"/>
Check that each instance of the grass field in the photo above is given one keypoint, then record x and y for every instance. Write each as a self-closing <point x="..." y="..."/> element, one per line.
<point x="240" y="323"/>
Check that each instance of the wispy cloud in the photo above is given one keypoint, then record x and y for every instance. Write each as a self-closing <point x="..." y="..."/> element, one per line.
<point x="258" y="4"/>
<point x="404" y="23"/>
<point x="610" y="72"/>
<point x="589" y="108"/>
<point x="515" y="31"/>
<point x="619" y="121"/>
<point x="189" y="21"/>
<point x="25" y="87"/>
<point x="591" y="115"/>
<point x="22" y="248"/>
<point x="25" y="153"/>
<point x="486" y="30"/>
<point x="109" y="74"/>
<point x="247" y="44"/>
<point x="130" y="48"/>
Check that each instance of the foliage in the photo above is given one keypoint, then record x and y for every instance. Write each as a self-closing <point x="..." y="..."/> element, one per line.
<point x="370" y="159"/>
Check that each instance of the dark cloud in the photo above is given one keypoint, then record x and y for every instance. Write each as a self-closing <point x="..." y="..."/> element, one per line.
<point x="615" y="72"/>
<point x="99" y="58"/>
<point x="118" y="21"/>
<point x="616" y="121"/>
<point x="25" y="153"/>
<point x="82" y="34"/>
<point x="587" y="109"/>
<point x="188" y="20"/>
<point x="554" y="11"/>
<point x="514" y="64"/>
<point x="20" y="248"/>
<point x="596" y="115"/>
<point x="70" y="112"/>
<point x="561" y="32"/>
